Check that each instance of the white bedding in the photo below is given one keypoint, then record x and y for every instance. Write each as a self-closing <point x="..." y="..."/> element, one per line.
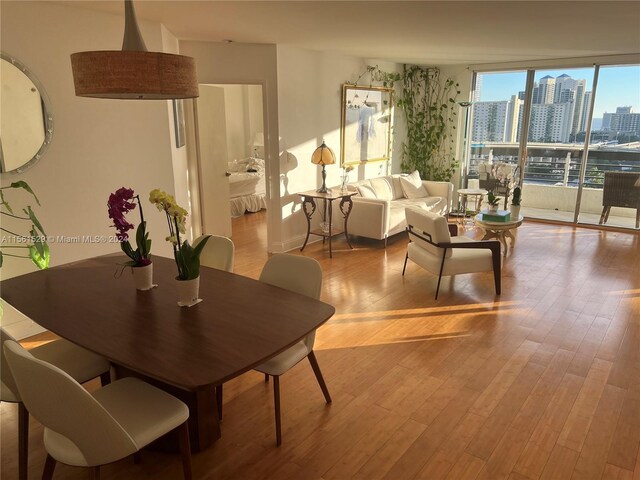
<point x="246" y="192"/>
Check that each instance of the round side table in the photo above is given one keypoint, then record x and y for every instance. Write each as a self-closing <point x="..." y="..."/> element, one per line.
<point x="463" y="193"/>
<point x="499" y="230"/>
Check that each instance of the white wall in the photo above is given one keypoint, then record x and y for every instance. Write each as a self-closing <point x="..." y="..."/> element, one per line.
<point x="98" y="145"/>
<point x="310" y="111"/>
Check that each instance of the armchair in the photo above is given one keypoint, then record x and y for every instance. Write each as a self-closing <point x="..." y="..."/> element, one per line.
<point x="432" y="247"/>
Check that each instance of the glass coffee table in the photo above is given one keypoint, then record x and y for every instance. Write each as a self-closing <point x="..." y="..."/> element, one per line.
<point x="499" y="230"/>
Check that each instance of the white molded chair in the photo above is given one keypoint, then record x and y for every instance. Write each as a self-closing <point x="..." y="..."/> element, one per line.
<point x="217" y="253"/>
<point x="301" y="275"/>
<point x="89" y="430"/>
<point x="78" y="362"/>
<point x="432" y="247"/>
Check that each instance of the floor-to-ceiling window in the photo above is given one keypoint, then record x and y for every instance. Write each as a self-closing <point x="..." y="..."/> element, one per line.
<point x="611" y="187"/>
<point x="560" y="180"/>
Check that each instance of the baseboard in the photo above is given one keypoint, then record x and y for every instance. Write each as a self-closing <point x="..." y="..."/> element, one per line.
<point x="293" y="243"/>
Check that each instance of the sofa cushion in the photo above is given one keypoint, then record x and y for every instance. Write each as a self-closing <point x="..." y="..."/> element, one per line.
<point x="382" y="187"/>
<point x="366" y="191"/>
<point x="432" y="204"/>
<point x="412" y="186"/>
<point x="396" y="186"/>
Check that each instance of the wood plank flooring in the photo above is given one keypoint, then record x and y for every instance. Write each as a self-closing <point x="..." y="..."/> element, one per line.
<point x="542" y="382"/>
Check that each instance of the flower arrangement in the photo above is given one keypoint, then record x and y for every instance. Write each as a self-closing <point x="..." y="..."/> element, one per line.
<point x="120" y="203"/>
<point x="187" y="257"/>
<point x="345" y="177"/>
<point x="35" y="243"/>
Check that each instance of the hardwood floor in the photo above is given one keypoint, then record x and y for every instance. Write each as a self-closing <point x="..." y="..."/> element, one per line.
<point x="540" y="382"/>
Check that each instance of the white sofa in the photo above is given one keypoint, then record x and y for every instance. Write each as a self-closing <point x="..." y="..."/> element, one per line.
<point x="380" y="213"/>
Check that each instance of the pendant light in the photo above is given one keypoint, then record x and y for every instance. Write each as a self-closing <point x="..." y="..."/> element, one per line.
<point x="133" y="73"/>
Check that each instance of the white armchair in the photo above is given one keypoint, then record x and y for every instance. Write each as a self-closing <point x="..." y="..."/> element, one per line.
<point x="432" y="247"/>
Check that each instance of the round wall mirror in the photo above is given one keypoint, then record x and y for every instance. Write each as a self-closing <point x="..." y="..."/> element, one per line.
<point x="26" y="123"/>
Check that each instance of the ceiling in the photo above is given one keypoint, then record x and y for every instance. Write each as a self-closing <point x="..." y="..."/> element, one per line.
<point x="435" y="33"/>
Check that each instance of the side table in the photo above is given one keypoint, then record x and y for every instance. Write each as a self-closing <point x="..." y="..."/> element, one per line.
<point x="309" y="206"/>
<point x="463" y="193"/>
<point x="499" y="230"/>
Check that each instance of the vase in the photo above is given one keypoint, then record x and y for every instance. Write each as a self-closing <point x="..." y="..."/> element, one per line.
<point x="188" y="291"/>
<point x="493" y="209"/>
<point x="143" y="277"/>
<point x="515" y="211"/>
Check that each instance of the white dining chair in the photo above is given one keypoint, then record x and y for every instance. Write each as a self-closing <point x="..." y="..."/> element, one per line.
<point x="301" y="275"/>
<point x="217" y="253"/>
<point x="89" y="430"/>
<point x="78" y="362"/>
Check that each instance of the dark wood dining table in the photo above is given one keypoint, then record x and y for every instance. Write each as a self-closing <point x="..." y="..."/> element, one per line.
<point x="188" y="351"/>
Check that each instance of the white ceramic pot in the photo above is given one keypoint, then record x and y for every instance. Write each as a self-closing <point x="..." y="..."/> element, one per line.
<point x="188" y="291"/>
<point x="515" y="211"/>
<point x="143" y="277"/>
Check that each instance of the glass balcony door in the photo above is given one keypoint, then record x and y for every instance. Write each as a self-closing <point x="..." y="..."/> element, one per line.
<point x="611" y="188"/>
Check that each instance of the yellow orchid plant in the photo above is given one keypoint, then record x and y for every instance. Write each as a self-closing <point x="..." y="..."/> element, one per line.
<point x="187" y="257"/>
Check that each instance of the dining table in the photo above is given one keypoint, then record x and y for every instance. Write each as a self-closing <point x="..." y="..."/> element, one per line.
<point x="187" y="351"/>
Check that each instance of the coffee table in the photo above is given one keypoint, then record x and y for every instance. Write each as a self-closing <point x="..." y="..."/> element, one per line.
<point x="499" y="230"/>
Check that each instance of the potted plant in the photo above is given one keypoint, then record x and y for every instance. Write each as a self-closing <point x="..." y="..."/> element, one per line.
<point x="120" y="203"/>
<point x="493" y="202"/>
<point x="35" y="243"/>
<point x="516" y="199"/>
<point x="187" y="257"/>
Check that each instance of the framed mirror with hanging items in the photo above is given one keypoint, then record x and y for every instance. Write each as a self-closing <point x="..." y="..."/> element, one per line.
<point x="367" y="117"/>
<point x="26" y="123"/>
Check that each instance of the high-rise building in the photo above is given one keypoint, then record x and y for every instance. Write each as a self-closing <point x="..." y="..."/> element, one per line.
<point x="489" y="121"/>
<point x="623" y="121"/>
<point x="551" y="122"/>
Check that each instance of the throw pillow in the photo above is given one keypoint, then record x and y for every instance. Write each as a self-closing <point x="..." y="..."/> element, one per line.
<point x="412" y="186"/>
<point x="366" y="191"/>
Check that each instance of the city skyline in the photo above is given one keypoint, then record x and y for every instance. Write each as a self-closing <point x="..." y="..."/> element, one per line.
<point x="618" y="86"/>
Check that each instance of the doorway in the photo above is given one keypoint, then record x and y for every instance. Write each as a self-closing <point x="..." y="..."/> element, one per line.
<point x="231" y="155"/>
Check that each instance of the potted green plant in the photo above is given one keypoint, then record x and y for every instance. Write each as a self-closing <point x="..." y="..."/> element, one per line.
<point x="186" y="256"/>
<point x="35" y="244"/>
<point x="493" y="202"/>
<point x="120" y="203"/>
<point x="516" y="199"/>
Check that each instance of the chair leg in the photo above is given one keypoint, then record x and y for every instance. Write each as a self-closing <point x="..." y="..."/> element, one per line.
<point x="49" y="467"/>
<point x="405" y="263"/>
<point x="276" y="401"/>
<point x="94" y="473"/>
<point x="316" y="369"/>
<point x="23" y="441"/>
<point x="638" y="218"/>
<point x="185" y="449"/>
<point x="266" y="378"/>
<point x="219" y="395"/>
<point x="444" y="256"/>
<point x="497" y="270"/>
<point x="606" y="217"/>
<point x="105" y="378"/>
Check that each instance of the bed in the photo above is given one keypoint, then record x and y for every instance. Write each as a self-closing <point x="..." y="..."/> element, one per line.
<point x="247" y="189"/>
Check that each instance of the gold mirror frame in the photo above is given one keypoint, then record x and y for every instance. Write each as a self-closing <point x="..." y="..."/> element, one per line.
<point x="365" y="135"/>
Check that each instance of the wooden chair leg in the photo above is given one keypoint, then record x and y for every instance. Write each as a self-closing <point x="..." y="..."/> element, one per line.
<point x="276" y="401"/>
<point x="185" y="449"/>
<point x="606" y="216"/>
<point x="105" y="378"/>
<point x="94" y="473"/>
<point x="23" y="441"/>
<point x="266" y="378"/>
<point x="497" y="270"/>
<point x="49" y="467"/>
<point x="638" y="218"/>
<point x="316" y="369"/>
<point x="219" y="395"/>
<point x="405" y="263"/>
<point x="604" y="209"/>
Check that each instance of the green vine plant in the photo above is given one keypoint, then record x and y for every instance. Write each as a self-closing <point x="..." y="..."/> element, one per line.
<point x="35" y="243"/>
<point x="429" y="106"/>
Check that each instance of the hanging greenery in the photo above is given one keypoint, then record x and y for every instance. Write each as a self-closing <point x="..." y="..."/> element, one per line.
<point x="429" y="106"/>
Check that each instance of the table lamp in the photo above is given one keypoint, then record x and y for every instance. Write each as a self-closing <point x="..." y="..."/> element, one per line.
<point x="258" y="141"/>
<point x="323" y="155"/>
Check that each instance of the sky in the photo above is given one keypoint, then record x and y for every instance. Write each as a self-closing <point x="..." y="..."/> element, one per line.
<point x="617" y="86"/>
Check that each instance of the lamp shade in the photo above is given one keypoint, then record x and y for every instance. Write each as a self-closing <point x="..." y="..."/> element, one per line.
<point x="258" y="139"/>
<point x="134" y="75"/>
<point x="323" y="155"/>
